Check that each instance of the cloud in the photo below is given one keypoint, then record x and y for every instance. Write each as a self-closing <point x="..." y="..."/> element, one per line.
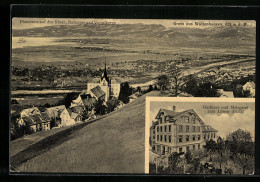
<point x="226" y="124"/>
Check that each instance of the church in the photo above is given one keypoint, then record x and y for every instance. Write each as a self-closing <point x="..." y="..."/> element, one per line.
<point x="111" y="87"/>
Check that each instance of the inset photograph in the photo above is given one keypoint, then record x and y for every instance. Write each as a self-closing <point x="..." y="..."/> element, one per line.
<point x="200" y="136"/>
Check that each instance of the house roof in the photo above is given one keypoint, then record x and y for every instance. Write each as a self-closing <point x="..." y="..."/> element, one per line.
<point x="228" y="94"/>
<point x="89" y="101"/>
<point x="76" y="109"/>
<point x="55" y="111"/>
<point x="208" y="128"/>
<point x="31" y="111"/>
<point x="251" y="84"/>
<point x="97" y="91"/>
<point x="45" y="116"/>
<point x="32" y="119"/>
<point x="74" y="115"/>
<point x="173" y="113"/>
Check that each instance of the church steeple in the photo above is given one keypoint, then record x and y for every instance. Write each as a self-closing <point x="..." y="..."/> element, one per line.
<point x="104" y="75"/>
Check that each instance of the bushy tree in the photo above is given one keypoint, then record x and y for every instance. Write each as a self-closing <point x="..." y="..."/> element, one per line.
<point x="125" y="92"/>
<point x="112" y="104"/>
<point x="163" y="82"/>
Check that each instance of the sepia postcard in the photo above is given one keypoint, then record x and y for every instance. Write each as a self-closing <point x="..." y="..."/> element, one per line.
<point x="200" y="135"/>
<point x="78" y="91"/>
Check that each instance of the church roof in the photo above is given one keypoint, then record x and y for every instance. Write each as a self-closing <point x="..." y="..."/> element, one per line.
<point x="97" y="91"/>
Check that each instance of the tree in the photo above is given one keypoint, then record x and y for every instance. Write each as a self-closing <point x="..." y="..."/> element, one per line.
<point x="112" y="104"/>
<point x="240" y="135"/>
<point x="100" y="108"/>
<point x="176" y="79"/>
<point x="125" y="92"/>
<point x="246" y="162"/>
<point x="191" y="86"/>
<point x="150" y="88"/>
<point x="210" y="147"/>
<point x="174" y="161"/>
<point x="207" y="90"/>
<point x="138" y="89"/>
<point x="163" y="82"/>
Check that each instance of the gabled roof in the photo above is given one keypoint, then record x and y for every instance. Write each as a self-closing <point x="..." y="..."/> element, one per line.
<point x="31" y="111"/>
<point x="97" y="91"/>
<point x="208" y="128"/>
<point x="174" y="115"/>
<point x="74" y="115"/>
<point x="45" y="116"/>
<point x="55" y="111"/>
<point x="77" y="109"/>
<point x="33" y="119"/>
<point x="251" y="84"/>
<point x="228" y="94"/>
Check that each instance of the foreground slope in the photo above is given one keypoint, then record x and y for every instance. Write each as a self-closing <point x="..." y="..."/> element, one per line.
<point x="114" y="144"/>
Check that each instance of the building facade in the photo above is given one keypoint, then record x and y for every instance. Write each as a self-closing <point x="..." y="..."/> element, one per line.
<point x="178" y="132"/>
<point x="111" y="87"/>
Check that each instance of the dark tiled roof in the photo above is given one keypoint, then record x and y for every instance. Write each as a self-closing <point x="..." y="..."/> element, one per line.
<point x="55" y="111"/>
<point x="208" y="128"/>
<point x="45" y="116"/>
<point x="27" y="120"/>
<point x="89" y="102"/>
<point x="97" y="91"/>
<point x="77" y="109"/>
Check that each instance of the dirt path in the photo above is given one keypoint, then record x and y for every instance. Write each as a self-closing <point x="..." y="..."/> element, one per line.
<point x="45" y="145"/>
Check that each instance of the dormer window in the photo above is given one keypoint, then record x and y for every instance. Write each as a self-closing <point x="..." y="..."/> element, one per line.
<point x="186" y="119"/>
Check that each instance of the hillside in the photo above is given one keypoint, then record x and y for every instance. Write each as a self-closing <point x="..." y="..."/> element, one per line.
<point x="114" y="144"/>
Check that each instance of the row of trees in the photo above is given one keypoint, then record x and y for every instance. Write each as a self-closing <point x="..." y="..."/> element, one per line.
<point x="235" y="154"/>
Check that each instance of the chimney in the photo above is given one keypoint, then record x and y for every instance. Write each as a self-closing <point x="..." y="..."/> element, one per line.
<point x="174" y="108"/>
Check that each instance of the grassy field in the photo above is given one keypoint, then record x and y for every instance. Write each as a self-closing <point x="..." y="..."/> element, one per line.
<point x="114" y="144"/>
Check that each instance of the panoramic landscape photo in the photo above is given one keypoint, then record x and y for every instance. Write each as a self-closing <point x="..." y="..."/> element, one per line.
<point x="78" y="86"/>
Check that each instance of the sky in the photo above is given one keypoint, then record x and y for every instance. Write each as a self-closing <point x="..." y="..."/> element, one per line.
<point x="224" y="123"/>
<point x="25" y="23"/>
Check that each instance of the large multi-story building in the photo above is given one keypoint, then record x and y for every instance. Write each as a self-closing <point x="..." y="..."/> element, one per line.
<point x="111" y="87"/>
<point x="179" y="132"/>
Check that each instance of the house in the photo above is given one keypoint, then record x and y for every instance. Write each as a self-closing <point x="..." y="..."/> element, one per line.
<point x="60" y="116"/>
<point x="111" y="87"/>
<point x="86" y="101"/>
<point x="34" y="123"/>
<point x="98" y="93"/>
<point x="134" y="96"/>
<point x="179" y="132"/>
<point x="30" y="111"/>
<point x="76" y="117"/>
<point x="250" y="86"/>
<point x="209" y="133"/>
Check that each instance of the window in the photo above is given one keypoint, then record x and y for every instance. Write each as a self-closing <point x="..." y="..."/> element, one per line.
<point x="204" y="137"/>
<point x="180" y="139"/>
<point x="198" y="137"/>
<point x="193" y="128"/>
<point x="170" y="128"/>
<point x="186" y="119"/>
<point x="160" y="120"/>
<point x="161" y="137"/>
<point x="198" y="128"/>
<point x="208" y="135"/>
<point x="187" y="138"/>
<point x="157" y="128"/>
<point x="214" y="135"/>
<point x="193" y="138"/>
<point x="187" y="128"/>
<point x="170" y="138"/>
<point x="165" y="128"/>
<point x="157" y="137"/>
<point x="153" y="136"/>
<point x="165" y="119"/>
<point x="193" y="147"/>
<point x="180" y="128"/>
<point x="165" y="138"/>
<point x="211" y="135"/>
<point x="193" y="120"/>
<point x="161" y="129"/>
<point x="180" y="150"/>
<point x="198" y="146"/>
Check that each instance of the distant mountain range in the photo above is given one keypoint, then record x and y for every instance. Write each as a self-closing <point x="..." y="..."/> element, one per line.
<point x="141" y="30"/>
